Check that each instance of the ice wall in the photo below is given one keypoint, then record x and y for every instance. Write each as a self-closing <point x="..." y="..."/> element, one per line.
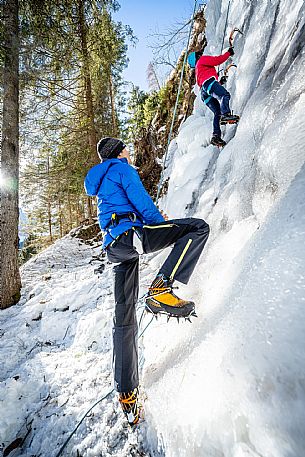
<point x="232" y="384"/>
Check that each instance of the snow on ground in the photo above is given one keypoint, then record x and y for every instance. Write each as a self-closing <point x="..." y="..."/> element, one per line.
<point x="56" y="357"/>
<point x="232" y="384"/>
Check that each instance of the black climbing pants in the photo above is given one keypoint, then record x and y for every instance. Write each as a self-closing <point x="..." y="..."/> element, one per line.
<point x="188" y="237"/>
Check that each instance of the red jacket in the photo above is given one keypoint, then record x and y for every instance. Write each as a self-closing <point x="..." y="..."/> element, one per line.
<point x="205" y="67"/>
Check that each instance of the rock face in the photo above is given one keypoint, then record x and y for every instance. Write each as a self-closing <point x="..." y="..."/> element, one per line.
<point x="88" y="233"/>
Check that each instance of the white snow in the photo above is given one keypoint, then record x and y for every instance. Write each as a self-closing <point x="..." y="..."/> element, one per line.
<point x="232" y="384"/>
<point x="56" y="357"/>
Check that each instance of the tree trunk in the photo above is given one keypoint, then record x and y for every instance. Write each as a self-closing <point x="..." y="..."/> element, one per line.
<point x="10" y="283"/>
<point x="50" y="221"/>
<point x="70" y="211"/>
<point x="78" y="212"/>
<point x="49" y="203"/>
<point x="82" y="208"/>
<point x="60" y="219"/>
<point x="86" y="75"/>
<point x="92" y="137"/>
<point x="113" y="111"/>
<point x="90" y="209"/>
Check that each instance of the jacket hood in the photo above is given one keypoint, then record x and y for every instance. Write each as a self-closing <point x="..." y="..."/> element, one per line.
<point x="96" y="175"/>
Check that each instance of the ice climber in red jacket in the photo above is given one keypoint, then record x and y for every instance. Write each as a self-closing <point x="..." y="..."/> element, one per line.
<point x="213" y="94"/>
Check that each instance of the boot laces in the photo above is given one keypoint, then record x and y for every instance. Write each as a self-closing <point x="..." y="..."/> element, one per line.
<point x="129" y="398"/>
<point x="129" y="405"/>
<point x="160" y="285"/>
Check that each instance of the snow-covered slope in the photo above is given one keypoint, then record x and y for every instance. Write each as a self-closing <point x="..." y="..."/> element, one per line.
<point x="232" y="384"/>
<point x="56" y="356"/>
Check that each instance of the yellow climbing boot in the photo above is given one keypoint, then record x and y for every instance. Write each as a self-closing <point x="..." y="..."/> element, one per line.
<point x="162" y="300"/>
<point x="130" y="406"/>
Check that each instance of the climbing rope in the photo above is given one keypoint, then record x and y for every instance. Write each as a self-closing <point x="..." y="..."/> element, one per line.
<point x="81" y="421"/>
<point x="225" y="29"/>
<point x="101" y="399"/>
<point x="177" y="102"/>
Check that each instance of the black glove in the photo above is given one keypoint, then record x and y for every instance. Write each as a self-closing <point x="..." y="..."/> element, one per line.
<point x="231" y="51"/>
<point x="223" y="80"/>
<point x="198" y="54"/>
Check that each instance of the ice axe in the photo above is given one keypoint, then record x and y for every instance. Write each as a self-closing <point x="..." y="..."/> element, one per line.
<point x="224" y="78"/>
<point x="226" y="71"/>
<point x="231" y="38"/>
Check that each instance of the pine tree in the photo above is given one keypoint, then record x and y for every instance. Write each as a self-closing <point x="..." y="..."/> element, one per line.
<point x="152" y="78"/>
<point x="10" y="283"/>
<point x="78" y="88"/>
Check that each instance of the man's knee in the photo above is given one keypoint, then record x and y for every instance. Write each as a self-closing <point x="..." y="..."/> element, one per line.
<point x="126" y="265"/>
<point x="125" y="315"/>
<point x="201" y="225"/>
<point x="204" y="227"/>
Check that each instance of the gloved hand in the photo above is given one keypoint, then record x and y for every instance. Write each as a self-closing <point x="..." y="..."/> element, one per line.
<point x="223" y="80"/>
<point x="164" y="214"/>
<point x="231" y="50"/>
<point x="198" y="54"/>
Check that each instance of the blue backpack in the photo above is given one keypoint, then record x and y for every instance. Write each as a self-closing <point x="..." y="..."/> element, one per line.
<point x="191" y="60"/>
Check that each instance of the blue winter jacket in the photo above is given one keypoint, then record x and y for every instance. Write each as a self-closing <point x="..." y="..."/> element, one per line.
<point x="119" y="190"/>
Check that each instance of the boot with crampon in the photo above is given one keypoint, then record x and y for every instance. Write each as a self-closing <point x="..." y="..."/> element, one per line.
<point x="217" y="141"/>
<point x="162" y="300"/>
<point x="130" y="406"/>
<point x="229" y="118"/>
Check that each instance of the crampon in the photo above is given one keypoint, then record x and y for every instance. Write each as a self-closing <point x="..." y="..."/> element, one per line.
<point x="130" y="406"/>
<point x="229" y="118"/>
<point x="162" y="300"/>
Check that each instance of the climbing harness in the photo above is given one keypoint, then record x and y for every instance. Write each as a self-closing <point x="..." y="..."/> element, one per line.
<point x="208" y="92"/>
<point x="117" y="218"/>
<point x="177" y="101"/>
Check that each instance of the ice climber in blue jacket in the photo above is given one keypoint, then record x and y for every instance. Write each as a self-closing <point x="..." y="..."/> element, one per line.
<point x="132" y="224"/>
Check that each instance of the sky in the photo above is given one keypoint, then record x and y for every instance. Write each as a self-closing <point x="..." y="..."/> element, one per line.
<point x="145" y="17"/>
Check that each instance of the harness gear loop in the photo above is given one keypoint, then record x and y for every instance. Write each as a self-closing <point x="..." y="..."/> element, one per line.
<point x="116" y="218"/>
